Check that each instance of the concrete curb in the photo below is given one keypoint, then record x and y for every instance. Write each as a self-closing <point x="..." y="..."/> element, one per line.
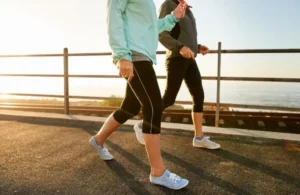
<point x="165" y="126"/>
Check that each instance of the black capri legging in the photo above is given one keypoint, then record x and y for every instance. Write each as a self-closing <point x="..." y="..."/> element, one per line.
<point x="179" y="69"/>
<point x="142" y="91"/>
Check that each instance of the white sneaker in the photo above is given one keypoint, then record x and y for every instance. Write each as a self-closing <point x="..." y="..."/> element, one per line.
<point x="169" y="180"/>
<point x="205" y="143"/>
<point x="102" y="151"/>
<point x="139" y="134"/>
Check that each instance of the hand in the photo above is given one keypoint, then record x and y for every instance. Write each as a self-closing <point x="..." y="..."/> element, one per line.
<point x="203" y="50"/>
<point x="183" y="2"/>
<point x="125" y="69"/>
<point x="179" y="12"/>
<point x="187" y="52"/>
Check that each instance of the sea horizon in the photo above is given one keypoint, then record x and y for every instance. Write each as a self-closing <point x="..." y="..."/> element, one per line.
<point x="251" y="93"/>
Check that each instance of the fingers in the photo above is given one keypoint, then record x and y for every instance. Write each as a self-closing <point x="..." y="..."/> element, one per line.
<point x="180" y="9"/>
<point x="183" y="8"/>
<point x="182" y="3"/>
<point x="185" y="55"/>
<point x="205" y="51"/>
<point x="126" y="72"/>
<point x="130" y="76"/>
<point x="189" y="55"/>
<point x="192" y="55"/>
<point x="122" y="70"/>
<point x="187" y="52"/>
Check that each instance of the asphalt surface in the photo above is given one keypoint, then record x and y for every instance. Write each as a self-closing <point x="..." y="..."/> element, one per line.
<point x="39" y="156"/>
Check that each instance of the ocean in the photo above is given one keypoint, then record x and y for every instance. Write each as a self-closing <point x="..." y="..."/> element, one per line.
<point x="258" y="93"/>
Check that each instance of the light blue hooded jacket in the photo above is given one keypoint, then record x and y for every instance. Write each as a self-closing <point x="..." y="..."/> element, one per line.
<point x="133" y="25"/>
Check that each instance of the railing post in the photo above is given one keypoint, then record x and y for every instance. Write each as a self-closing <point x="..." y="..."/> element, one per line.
<point x="217" y="118"/>
<point x="66" y="81"/>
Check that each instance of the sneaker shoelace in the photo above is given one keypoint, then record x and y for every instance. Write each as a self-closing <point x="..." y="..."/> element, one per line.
<point x="211" y="142"/>
<point x="174" y="178"/>
<point x="105" y="151"/>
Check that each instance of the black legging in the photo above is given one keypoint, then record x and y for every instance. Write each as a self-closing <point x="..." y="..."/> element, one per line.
<point x="142" y="91"/>
<point x="179" y="69"/>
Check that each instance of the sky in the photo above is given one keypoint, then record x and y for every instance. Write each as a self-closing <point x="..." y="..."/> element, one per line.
<point x="47" y="26"/>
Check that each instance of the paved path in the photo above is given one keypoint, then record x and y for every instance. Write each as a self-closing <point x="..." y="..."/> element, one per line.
<point x="40" y="156"/>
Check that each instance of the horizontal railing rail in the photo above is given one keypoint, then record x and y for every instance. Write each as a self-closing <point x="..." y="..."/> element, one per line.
<point x="223" y="51"/>
<point x="217" y="78"/>
<point x="264" y="79"/>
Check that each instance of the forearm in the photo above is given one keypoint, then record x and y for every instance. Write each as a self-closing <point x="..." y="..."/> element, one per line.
<point x="169" y="42"/>
<point x="165" y="37"/>
<point x="167" y="23"/>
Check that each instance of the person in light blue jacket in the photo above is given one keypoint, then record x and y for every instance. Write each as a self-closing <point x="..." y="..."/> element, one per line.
<point x="133" y="30"/>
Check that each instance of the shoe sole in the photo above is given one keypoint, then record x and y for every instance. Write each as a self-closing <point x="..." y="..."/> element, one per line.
<point x="107" y="159"/>
<point x="171" y="188"/>
<point x="214" y="148"/>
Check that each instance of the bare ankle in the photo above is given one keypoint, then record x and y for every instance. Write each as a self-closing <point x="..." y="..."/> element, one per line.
<point x="98" y="141"/>
<point x="157" y="172"/>
<point x="199" y="134"/>
<point x="141" y="123"/>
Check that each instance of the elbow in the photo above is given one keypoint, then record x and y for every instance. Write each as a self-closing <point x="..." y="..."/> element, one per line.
<point x="170" y="46"/>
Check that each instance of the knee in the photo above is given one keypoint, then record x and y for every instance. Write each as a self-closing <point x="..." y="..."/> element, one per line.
<point x="198" y="108"/>
<point x="122" y="115"/>
<point x="198" y="97"/>
<point x="154" y="108"/>
<point x="135" y="111"/>
<point x="168" y="101"/>
<point x="158" y="109"/>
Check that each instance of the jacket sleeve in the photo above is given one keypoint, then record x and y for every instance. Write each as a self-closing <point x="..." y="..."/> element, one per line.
<point x="165" y="37"/>
<point x="167" y="23"/>
<point x="115" y="30"/>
